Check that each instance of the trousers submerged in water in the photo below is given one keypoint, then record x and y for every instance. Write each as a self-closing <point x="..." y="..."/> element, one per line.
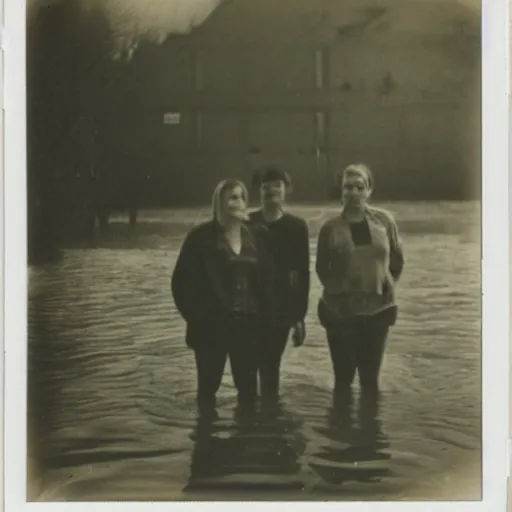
<point x="225" y="299"/>
<point x="288" y="243"/>
<point x="237" y="338"/>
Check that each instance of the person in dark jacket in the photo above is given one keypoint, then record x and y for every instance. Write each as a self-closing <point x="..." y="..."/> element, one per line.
<point x="221" y="286"/>
<point x="288" y="241"/>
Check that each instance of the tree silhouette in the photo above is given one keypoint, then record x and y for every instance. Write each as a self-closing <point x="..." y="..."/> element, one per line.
<point x="75" y="91"/>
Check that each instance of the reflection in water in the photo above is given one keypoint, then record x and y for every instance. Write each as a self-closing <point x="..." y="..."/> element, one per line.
<point x="260" y="451"/>
<point x="112" y="386"/>
<point x="357" y="448"/>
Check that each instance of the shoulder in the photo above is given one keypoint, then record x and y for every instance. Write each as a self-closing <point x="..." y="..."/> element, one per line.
<point x="330" y="223"/>
<point x="255" y="216"/>
<point x="257" y="230"/>
<point x="295" y="224"/>
<point x="200" y="231"/>
<point x="296" y="221"/>
<point x="382" y="215"/>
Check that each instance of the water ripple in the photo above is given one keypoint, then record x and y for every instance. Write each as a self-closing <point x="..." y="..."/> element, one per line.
<point x="112" y="384"/>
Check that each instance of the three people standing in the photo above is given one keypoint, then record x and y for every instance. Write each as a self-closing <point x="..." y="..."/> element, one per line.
<point x="241" y="283"/>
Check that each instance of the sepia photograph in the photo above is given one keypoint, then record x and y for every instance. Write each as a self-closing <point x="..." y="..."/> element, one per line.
<point x="254" y="242"/>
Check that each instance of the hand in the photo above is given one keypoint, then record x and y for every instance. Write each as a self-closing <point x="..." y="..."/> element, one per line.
<point x="299" y="333"/>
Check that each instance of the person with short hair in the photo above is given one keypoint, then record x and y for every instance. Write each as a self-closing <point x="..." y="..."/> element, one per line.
<point x="359" y="262"/>
<point x="288" y="240"/>
<point x="222" y="286"/>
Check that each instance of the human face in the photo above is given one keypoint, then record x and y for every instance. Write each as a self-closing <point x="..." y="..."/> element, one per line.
<point x="273" y="193"/>
<point x="354" y="190"/>
<point x="233" y="203"/>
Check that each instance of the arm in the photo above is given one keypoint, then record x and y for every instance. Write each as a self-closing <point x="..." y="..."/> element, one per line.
<point x="396" y="255"/>
<point x="303" y="275"/>
<point x="322" y="261"/>
<point x="183" y="278"/>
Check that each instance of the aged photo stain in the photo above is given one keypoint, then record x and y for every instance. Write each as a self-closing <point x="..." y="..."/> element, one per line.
<point x="254" y="250"/>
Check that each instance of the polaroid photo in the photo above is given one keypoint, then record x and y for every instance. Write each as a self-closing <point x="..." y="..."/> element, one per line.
<point x="256" y="251"/>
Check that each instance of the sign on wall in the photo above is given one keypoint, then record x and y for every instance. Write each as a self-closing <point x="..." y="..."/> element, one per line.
<point x="172" y="118"/>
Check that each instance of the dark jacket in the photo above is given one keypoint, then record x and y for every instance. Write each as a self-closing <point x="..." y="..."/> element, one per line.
<point x="288" y="241"/>
<point x="198" y="287"/>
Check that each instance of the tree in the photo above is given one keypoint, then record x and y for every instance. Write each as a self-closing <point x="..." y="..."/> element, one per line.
<point x="69" y="68"/>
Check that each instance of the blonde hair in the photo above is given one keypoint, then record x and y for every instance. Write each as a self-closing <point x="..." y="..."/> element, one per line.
<point x="221" y="188"/>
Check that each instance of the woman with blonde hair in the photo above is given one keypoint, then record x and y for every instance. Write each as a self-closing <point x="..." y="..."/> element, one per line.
<point x="222" y="288"/>
<point x="359" y="261"/>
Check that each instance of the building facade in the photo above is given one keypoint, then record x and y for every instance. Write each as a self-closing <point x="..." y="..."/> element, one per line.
<point x="312" y="86"/>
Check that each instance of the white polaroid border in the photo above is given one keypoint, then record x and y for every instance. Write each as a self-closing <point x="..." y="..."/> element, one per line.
<point x="495" y="287"/>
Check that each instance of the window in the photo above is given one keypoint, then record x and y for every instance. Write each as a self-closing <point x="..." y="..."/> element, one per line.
<point x="319" y="69"/>
<point x="320" y="129"/>
<point x="198" y="70"/>
<point x="199" y="129"/>
<point x="219" y="69"/>
<point x="220" y="130"/>
<point x="172" y="118"/>
<point x="281" y="68"/>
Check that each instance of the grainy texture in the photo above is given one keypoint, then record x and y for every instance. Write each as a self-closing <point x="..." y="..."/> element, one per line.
<point x="112" y="385"/>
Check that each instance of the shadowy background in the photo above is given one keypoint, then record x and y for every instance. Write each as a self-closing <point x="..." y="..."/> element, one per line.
<point x="146" y="104"/>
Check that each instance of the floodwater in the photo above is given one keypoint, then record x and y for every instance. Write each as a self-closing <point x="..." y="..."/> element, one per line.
<point x="112" y="384"/>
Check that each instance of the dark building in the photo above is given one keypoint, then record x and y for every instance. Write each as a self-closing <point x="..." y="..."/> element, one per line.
<point x="311" y="86"/>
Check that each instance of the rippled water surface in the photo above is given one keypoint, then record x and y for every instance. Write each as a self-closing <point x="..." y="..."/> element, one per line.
<point x="112" y="385"/>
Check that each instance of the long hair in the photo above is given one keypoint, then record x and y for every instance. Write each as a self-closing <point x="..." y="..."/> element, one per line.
<point x="219" y="191"/>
